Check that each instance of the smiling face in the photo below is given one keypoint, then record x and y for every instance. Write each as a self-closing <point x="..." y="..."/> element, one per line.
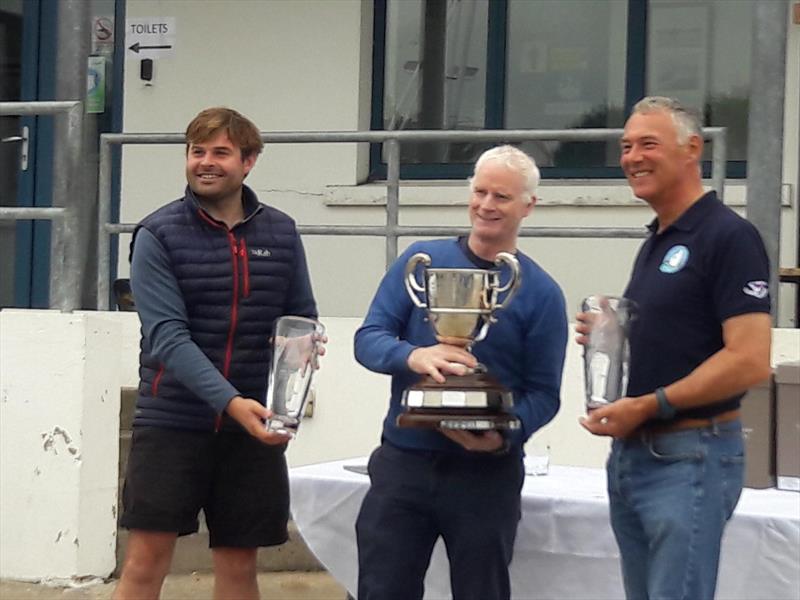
<point x="496" y="208"/>
<point x="215" y="169"/>
<point x="659" y="169"/>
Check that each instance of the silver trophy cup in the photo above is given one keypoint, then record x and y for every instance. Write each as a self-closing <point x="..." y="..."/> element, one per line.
<point x="460" y="303"/>
<point x="295" y="352"/>
<point x="606" y="353"/>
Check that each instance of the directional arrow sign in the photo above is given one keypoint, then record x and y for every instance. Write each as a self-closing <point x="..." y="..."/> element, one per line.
<point x="149" y="37"/>
<point x="137" y="47"/>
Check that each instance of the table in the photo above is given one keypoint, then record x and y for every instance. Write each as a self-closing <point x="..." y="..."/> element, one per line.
<point x="565" y="547"/>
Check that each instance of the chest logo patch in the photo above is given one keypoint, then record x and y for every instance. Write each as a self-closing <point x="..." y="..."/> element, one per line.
<point x="260" y="252"/>
<point x="675" y="259"/>
<point x="756" y="289"/>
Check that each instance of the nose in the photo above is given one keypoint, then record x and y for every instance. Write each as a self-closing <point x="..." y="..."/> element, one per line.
<point x="205" y="159"/>
<point x="487" y="201"/>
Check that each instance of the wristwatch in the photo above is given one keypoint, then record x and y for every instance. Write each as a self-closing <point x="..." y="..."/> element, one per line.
<point x="665" y="410"/>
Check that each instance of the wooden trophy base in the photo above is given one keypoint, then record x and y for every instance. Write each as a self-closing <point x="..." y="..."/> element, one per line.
<point x="472" y="402"/>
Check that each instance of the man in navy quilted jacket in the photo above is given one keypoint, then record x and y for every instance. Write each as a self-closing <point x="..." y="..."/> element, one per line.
<point x="211" y="272"/>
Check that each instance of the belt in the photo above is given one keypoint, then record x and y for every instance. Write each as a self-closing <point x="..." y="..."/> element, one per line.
<point x="689" y="423"/>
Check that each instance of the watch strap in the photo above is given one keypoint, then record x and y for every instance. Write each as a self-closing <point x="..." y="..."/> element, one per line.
<point x="665" y="410"/>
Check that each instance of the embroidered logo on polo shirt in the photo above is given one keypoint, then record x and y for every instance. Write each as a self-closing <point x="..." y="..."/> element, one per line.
<point x="260" y="252"/>
<point x="756" y="289"/>
<point x="675" y="259"/>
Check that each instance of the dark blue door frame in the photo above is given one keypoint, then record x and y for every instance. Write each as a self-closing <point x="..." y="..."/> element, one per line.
<point x="32" y="268"/>
<point x="34" y="187"/>
<point x="23" y="268"/>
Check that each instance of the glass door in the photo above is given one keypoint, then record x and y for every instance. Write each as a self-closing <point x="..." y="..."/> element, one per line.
<point x="14" y="147"/>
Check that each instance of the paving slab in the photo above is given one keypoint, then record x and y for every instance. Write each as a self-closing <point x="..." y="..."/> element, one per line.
<point x="293" y="585"/>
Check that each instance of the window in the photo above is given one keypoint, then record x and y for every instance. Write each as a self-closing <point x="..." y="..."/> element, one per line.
<point x="551" y="64"/>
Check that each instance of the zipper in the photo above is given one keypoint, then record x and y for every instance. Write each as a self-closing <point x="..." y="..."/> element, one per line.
<point x="157" y="380"/>
<point x="235" y="254"/>
<point x="234" y="306"/>
<point x="245" y="267"/>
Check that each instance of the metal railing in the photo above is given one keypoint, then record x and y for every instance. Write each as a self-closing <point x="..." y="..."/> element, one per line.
<point x="66" y="264"/>
<point x="391" y="140"/>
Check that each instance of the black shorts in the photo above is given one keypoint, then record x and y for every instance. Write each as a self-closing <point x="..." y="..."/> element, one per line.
<point x="241" y="484"/>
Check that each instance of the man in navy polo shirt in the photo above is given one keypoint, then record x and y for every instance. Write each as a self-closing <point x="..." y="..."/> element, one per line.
<point x="700" y="340"/>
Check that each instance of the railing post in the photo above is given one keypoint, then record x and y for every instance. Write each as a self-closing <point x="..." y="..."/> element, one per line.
<point x="103" y="217"/>
<point x="67" y="266"/>
<point x="719" y="152"/>
<point x="392" y="147"/>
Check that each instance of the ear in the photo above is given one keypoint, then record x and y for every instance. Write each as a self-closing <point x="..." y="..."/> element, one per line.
<point x="531" y="203"/>
<point x="248" y="163"/>
<point x="694" y="147"/>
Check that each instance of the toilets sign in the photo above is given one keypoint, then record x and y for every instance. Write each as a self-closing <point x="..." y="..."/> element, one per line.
<point x="149" y="37"/>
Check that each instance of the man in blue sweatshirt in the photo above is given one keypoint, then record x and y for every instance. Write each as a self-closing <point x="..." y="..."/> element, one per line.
<point x="461" y="485"/>
<point x="211" y="272"/>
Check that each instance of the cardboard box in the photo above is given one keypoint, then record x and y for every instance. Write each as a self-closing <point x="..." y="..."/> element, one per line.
<point x="758" y="426"/>
<point x="787" y="383"/>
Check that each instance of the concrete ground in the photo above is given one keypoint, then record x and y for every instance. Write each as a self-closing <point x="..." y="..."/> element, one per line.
<point x="287" y="585"/>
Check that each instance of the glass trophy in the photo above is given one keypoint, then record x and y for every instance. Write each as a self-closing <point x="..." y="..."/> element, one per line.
<point x="295" y="354"/>
<point x="606" y="353"/>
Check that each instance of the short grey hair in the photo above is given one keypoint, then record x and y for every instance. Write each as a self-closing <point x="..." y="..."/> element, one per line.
<point x="687" y="121"/>
<point x="516" y="160"/>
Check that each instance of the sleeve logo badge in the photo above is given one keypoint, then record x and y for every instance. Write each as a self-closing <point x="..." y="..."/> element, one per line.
<point x="756" y="289"/>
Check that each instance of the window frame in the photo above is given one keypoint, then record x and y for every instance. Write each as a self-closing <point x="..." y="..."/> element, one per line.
<point x="494" y="117"/>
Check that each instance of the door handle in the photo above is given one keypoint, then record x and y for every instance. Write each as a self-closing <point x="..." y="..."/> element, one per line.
<point x="24" y="138"/>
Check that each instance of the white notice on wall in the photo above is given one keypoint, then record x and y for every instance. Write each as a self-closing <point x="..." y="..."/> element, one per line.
<point x="149" y="37"/>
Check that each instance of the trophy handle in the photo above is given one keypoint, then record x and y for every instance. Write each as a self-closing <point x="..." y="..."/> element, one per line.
<point x="413" y="287"/>
<point x="513" y="284"/>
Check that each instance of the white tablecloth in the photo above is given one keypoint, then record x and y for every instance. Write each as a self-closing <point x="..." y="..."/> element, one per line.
<point x="565" y="547"/>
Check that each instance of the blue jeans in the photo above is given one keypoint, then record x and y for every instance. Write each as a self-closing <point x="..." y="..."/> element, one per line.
<point x="471" y="501"/>
<point x="671" y="495"/>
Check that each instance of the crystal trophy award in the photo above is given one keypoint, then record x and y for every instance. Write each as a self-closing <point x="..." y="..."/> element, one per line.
<point x="460" y="303"/>
<point x="606" y="353"/>
<point x="295" y="352"/>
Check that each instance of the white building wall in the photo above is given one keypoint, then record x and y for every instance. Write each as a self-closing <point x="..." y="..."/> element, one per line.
<point x="306" y="65"/>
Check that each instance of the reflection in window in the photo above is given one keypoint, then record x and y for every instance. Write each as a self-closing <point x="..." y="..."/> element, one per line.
<point x="435" y="75"/>
<point x="559" y="64"/>
<point x="566" y="69"/>
<point x="699" y="52"/>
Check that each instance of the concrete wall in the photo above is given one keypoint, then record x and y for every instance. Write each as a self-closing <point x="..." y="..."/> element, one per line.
<point x="351" y="402"/>
<point x="59" y="428"/>
<point x="306" y="65"/>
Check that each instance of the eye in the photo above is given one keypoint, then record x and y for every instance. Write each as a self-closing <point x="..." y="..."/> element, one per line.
<point x="479" y="192"/>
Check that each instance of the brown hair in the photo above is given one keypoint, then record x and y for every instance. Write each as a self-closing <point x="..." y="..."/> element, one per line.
<point x="240" y="130"/>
